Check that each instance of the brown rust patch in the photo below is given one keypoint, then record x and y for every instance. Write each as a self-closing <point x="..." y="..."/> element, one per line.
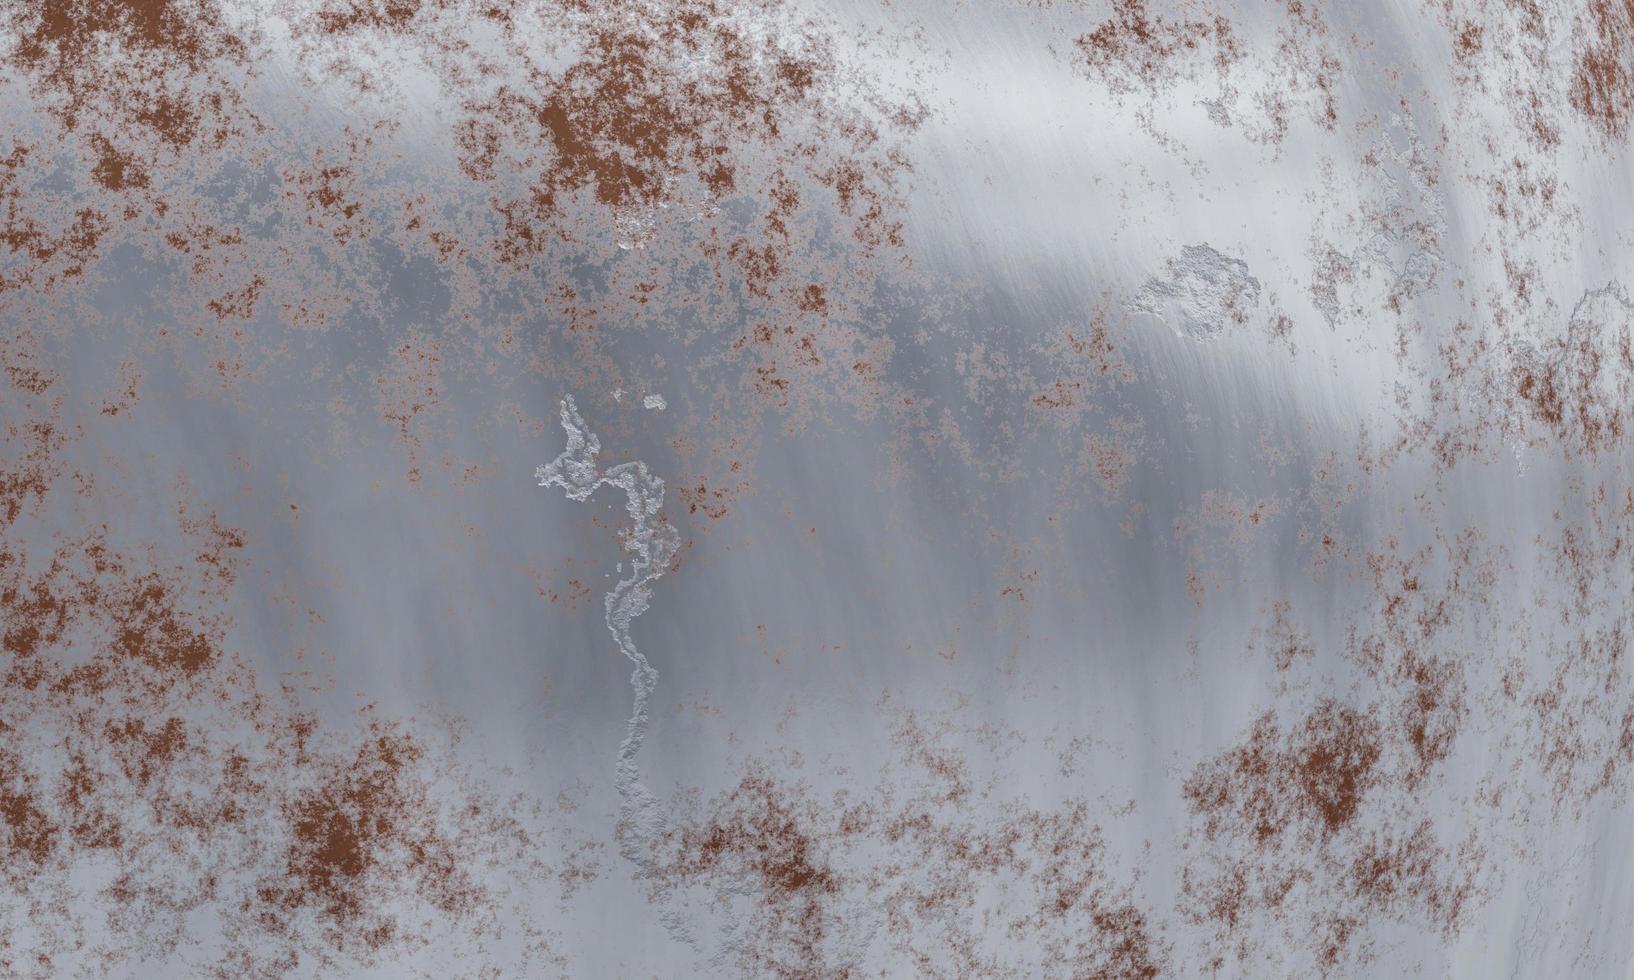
<point x="1137" y="46"/>
<point x="1310" y="780"/>
<point x="1603" y="80"/>
<point x="136" y="747"/>
<point x="930" y="851"/>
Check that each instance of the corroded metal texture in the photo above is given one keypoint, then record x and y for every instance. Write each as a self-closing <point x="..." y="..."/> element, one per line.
<point x="1096" y="488"/>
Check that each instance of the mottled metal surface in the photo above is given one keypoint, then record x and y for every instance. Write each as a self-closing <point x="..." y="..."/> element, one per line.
<point x="619" y="488"/>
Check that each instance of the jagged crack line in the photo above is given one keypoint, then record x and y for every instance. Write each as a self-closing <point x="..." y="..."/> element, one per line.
<point x="654" y="544"/>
